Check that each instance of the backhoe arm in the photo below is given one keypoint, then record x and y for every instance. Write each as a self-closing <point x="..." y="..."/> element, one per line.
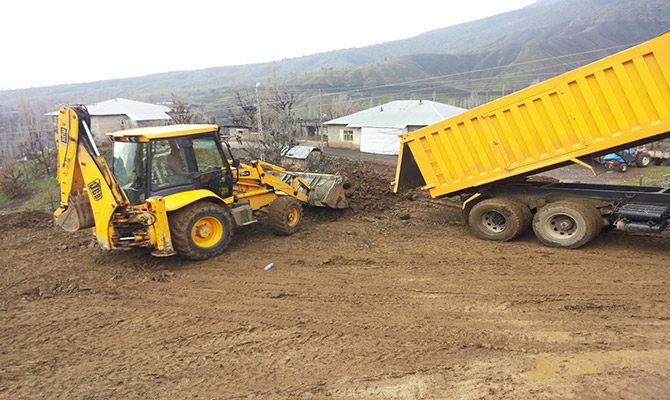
<point x="89" y="192"/>
<point x="260" y="181"/>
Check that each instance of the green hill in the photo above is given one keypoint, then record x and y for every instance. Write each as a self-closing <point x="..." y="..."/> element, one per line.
<point x="490" y="56"/>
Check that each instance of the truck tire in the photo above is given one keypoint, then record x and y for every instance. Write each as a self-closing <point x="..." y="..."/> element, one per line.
<point x="201" y="230"/>
<point x="567" y="224"/>
<point x="285" y="215"/>
<point x="643" y="160"/>
<point x="598" y="222"/>
<point x="499" y="218"/>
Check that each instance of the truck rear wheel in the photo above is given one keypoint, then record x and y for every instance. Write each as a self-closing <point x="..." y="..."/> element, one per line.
<point x="597" y="220"/>
<point x="567" y="224"/>
<point x="201" y="230"/>
<point x="499" y="219"/>
<point x="285" y="215"/>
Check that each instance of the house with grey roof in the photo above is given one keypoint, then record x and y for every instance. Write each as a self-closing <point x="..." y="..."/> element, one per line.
<point x="117" y="114"/>
<point x="377" y="129"/>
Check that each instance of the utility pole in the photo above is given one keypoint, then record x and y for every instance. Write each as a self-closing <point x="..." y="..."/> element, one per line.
<point x="260" y="123"/>
<point x="321" y="121"/>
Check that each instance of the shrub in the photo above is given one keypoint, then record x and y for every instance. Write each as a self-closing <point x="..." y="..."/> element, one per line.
<point x="12" y="182"/>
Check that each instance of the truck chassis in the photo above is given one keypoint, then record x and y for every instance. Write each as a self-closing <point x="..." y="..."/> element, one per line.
<point x="565" y="214"/>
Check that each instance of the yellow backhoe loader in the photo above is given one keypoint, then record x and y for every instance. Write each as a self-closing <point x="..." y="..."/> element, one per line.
<point x="175" y="189"/>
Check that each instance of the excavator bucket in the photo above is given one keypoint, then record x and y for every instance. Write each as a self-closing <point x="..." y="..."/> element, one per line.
<point x="327" y="190"/>
<point x="78" y="214"/>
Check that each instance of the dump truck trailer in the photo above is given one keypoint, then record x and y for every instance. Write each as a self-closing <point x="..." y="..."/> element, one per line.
<point x="486" y="154"/>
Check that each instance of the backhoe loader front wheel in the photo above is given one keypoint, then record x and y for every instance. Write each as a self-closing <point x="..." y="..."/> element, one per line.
<point x="285" y="215"/>
<point x="201" y="230"/>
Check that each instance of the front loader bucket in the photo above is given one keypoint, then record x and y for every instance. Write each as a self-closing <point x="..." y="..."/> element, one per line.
<point x="327" y="190"/>
<point x="78" y="214"/>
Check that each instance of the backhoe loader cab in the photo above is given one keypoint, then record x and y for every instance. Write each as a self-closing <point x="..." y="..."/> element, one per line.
<point x="160" y="161"/>
<point x="175" y="189"/>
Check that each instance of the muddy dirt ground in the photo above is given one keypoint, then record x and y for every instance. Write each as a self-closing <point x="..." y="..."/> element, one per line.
<point x="391" y="299"/>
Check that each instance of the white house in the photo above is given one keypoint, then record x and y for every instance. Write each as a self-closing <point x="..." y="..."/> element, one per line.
<point x="376" y="129"/>
<point x="117" y="114"/>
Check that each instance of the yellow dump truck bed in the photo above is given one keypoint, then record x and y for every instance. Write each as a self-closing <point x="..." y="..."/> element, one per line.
<point x="618" y="100"/>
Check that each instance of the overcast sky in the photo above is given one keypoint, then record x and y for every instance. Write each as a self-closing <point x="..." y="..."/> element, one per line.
<point x="46" y="42"/>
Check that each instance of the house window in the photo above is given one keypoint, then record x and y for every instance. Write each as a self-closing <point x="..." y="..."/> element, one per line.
<point x="347" y="135"/>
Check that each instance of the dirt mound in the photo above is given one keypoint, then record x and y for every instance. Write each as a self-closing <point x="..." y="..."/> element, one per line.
<point x="368" y="190"/>
<point x="26" y="219"/>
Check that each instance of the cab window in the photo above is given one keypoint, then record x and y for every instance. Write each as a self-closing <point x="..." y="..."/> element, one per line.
<point x="129" y="167"/>
<point x="211" y="165"/>
<point x="168" y="164"/>
<point x="207" y="155"/>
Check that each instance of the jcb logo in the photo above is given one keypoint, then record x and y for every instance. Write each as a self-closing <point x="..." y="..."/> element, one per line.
<point x="63" y="136"/>
<point x="96" y="189"/>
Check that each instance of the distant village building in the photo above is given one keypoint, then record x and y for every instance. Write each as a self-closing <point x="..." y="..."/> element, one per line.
<point x="300" y="158"/>
<point x="236" y="133"/>
<point x="117" y="114"/>
<point x="376" y="129"/>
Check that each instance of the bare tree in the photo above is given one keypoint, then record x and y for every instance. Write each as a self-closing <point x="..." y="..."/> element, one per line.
<point x="12" y="180"/>
<point x="275" y="108"/>
<point x="37" y="128"/>
<point x="182" y="112"/>
<point x="243" y="110"/>
<point x="280" y="122"/>
<point x="341" y="105"/>
<point x="474" y="100"/>
<point x="9" y="137"/>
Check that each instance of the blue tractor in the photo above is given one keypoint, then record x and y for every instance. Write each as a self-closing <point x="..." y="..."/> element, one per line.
<point x="622" y="159"/>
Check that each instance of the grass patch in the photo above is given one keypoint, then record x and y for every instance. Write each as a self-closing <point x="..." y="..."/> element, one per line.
<point x="46" y="195"/>
<point x="652" y="176"/>
<point x="43" y="195"/>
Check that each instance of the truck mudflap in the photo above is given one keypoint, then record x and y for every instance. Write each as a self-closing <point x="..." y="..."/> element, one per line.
<point x="326" y="190"/>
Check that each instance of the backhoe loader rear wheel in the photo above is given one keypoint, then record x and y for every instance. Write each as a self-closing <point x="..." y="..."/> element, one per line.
<point x="201" y="230"/>
<point x="499" y="218"/>
<point x="285" y="215"/>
